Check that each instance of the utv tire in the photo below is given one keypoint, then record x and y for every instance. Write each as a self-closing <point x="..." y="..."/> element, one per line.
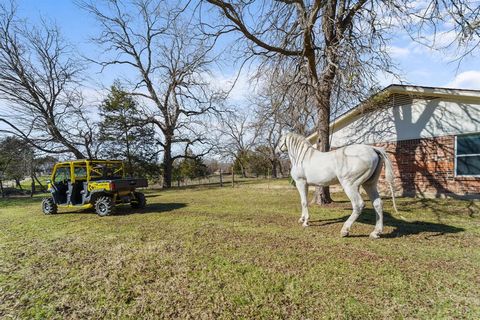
<point x="48" y="206"/>
<point x="104" y="206"/>
<point x="139" y="202"/>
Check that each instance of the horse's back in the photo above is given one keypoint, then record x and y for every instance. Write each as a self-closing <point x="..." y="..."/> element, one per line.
<point x="357" y="150"/>
<point x="355" y="162"/>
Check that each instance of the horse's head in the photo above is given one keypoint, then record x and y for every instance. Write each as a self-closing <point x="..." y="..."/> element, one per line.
<point x="282" y="144"/>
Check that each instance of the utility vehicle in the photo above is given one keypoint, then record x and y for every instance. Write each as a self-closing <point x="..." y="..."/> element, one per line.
<point x="98" y="184"/>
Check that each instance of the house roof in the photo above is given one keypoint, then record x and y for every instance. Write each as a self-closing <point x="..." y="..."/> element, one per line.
<point x="431" y="92"/>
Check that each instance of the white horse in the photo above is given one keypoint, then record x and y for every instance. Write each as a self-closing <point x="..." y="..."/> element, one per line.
<point x="352" y="166"/>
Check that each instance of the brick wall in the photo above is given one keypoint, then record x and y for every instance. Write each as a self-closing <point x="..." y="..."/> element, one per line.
<point x="425" y="167"/>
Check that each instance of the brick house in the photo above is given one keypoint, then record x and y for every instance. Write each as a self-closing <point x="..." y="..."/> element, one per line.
<point x="432" y="135"/>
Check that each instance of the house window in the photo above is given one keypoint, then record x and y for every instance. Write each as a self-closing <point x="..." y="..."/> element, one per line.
<point x="467" y="155"/>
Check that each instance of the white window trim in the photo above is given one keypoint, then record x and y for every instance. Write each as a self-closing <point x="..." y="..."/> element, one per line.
<point x="463" y="155"/>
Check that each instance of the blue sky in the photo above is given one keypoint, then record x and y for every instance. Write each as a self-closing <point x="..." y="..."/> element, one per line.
<point x="418" y="65"/>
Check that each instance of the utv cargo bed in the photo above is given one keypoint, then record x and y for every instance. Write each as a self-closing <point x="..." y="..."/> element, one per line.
<point x="128" y="184"/>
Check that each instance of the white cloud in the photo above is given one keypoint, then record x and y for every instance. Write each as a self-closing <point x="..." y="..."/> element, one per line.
<point x="243" y="86"/>
<point x="398" y="52"/>
<point x="466" y="80"/>
<point x="93" y="96"/>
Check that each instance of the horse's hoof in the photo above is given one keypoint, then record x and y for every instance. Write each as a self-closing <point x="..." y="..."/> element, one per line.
<point x="305" y="225"/>
<point x="300" y="220"/>
<point x="374" y="235"/>
<point x="344" y="233"/>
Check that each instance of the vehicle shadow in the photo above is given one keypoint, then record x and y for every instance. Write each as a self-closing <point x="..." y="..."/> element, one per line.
<point x="150" y="208"/>
<point x="125" y="210"/>
<point x="401" y="228"/>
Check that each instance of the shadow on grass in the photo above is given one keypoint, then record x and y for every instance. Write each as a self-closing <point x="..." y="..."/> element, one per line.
<point x="443" y="206"/>
<point x="150" y="208"/>
<point x="125" y="209"/>
<point x="401" y="227"/>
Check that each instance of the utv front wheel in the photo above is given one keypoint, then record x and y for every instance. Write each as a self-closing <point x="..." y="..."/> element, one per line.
<point x="48" y="206"/>
<point x="104" y="206"/>
<point x="139" y="202"/>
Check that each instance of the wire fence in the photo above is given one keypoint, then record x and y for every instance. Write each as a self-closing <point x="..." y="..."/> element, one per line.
<point x="221" y="180"/>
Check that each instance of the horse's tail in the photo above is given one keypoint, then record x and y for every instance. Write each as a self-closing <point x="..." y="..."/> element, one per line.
<point x="388" y="173"/>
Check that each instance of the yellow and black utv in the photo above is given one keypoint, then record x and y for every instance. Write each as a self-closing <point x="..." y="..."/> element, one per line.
<point x="99" y="184"/>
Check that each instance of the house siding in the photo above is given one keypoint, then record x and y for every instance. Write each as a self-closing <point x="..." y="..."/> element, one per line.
<point x="426" y="167"/>
<point x="422" y="118"/>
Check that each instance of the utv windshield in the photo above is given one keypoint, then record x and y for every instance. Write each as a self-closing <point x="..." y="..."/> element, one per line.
<point x="106" y="170"/>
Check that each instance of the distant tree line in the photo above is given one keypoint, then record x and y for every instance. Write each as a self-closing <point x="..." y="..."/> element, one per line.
<point x="19" y="161"/>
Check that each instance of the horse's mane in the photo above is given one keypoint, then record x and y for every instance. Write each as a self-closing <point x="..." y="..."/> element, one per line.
<point x="297" y="146"/>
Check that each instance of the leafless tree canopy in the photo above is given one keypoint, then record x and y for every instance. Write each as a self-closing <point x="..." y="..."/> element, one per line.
<point x="38" y="88"/>
<point x="236" y="136"/>
<point x="171" y="62"/>
<point x="282" y="104"/>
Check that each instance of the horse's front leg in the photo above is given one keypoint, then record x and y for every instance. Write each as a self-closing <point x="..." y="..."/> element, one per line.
<point x="303" y="190"/>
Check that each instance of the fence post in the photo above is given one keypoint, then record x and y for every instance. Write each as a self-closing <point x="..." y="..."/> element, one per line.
<point x="32" y="191"/>
<point x="233" y="178"/>
<point x="221" y="180"/>
<point x="1" y="187"/>
<point x="268" y="178"/>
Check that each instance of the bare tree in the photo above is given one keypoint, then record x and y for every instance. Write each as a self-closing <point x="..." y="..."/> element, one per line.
<point x="281" y="104"/>
<point x="171" y="62"/>
<point x="39" y="88"/>
<point x="236" y="138"/>
<point x="340" y="43"/>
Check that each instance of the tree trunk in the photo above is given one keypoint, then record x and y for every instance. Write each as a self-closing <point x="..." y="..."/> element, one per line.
<point x="42" y="187"/>
<point x="1" y="189"/>
<point x="32" y="190"/>
<point x="323" y="96"/>
<point x="280" y="168"/>
<point x="274" y="169"/>
<point x="129" y="156"/>
<point x="18" y="184"/>
<point x="242" y="169"/>
<point x="167" y="163"/>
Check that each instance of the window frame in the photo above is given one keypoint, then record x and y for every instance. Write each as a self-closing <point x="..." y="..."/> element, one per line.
<point x="82" y="166"/>
<point x="464" y="155"/>
<point x="66" y="169"/>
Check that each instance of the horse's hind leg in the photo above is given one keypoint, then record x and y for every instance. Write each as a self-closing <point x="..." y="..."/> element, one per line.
<point x="303" y="190"/>
<point x="371" y="189"/>
<point x="353" y="194"/>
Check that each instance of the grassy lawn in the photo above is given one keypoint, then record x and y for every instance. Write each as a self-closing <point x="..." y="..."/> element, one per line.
<point x="239" y="253"/>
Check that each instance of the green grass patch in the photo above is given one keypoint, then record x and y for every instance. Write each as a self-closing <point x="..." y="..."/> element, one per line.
<point x="228" y="253"/>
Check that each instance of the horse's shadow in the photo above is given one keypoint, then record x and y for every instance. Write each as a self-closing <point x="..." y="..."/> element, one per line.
<point x="401" y="227"/>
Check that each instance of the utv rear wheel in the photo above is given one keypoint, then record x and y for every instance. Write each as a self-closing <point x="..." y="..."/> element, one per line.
<point x="48" y="206"/>
<point x="139" y="202"/>
<point x="104" y="206"/>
